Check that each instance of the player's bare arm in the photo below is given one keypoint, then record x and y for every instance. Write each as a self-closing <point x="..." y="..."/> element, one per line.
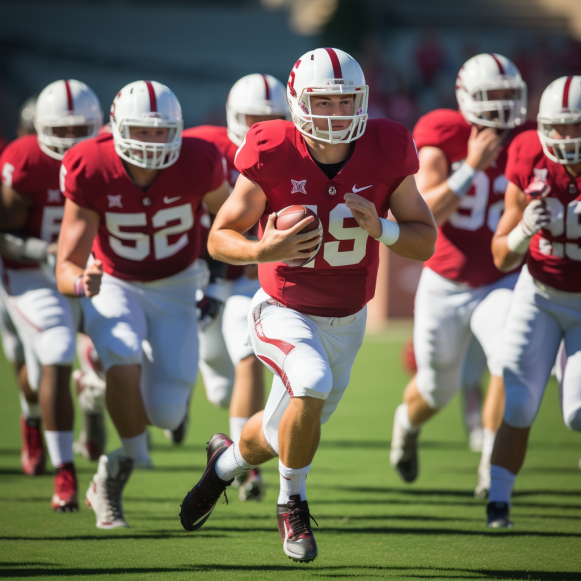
<point x="78" y="230"/>
<point x="517" y="225"/>
<point x="443" y="196"/>
<point x="241" y="211"/>
<point x="417" y="229"/>
<point x="215" y="199"/>
<point x="14" y="209"/>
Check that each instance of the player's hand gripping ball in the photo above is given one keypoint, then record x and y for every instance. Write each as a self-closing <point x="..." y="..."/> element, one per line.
<point x="291" y="216"/>
<point x="537" y="191"/>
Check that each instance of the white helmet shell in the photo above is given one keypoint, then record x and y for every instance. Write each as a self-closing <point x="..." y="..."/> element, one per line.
<point x="147" y="104"/>
<point x="65" y="103"/>
<point x="255" y="94"/>
<point x="491" y="72"/>
<point x="560" y="105"/>
<point x="327" y="71"/>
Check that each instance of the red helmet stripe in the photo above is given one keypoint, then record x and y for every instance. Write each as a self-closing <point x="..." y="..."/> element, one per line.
<point x="69" y="96"/>
<point x="152" y="98"/>
<point x="500" y="67"/>
<point x="266" y="87"/>
<point x="566" y="92"/>
<point x="335" y="62"/>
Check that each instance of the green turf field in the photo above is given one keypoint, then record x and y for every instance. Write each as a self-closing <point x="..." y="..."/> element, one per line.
<point x="371" y="525"/>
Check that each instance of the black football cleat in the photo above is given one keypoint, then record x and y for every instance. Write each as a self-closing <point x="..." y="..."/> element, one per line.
<point x="294" y="526"/>
<point x="199" y="503"/>
<point x="498" y="513"/>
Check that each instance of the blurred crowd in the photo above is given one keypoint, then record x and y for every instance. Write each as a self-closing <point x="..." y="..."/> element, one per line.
<point x="425" y="78"/>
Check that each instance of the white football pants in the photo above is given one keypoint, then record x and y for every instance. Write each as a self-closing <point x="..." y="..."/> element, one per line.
<point x="152" y="324"/>
<point x="447" y="315"/>
<point x="11" y="344"/>
<point x="45" y="321"/>
<point x="539" y="318"/>
<point x="310" y="356"/>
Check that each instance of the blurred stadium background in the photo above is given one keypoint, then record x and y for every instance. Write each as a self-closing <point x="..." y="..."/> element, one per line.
<point x="410" y="52"/>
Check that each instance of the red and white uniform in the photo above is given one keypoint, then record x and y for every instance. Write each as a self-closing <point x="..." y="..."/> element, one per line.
<point x="148" y="242"/>
<point x="307" y="324"/>
<point x="44" y="319"/>
<point x="461" y="294"/>
<point x="547" y="298"/>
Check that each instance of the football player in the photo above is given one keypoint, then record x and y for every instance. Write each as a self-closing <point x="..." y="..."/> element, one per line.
<point x="133" y="200"/>
<point x="67" y="112"/>
<point x="307" y="323"/>
<point x="461" y="293"/>
<point x="540" y="223"/>
<point x="231" y="372"/>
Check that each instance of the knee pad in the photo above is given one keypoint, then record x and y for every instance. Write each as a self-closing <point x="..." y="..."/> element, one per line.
<point x="521" y="406"/>
<point x="167" y="412"/>
<point x="436" y="391"/>
<point x="218" y="387"/>
<point x="56" y="346"/>
<point x="121" y="346"/>
<point x="331" y="404"/>
<point x="308" y="376"/>
<point x="573" y="420"/>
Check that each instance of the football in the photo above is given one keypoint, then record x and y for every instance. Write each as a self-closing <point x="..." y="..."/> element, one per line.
<point x="291" y="216"/>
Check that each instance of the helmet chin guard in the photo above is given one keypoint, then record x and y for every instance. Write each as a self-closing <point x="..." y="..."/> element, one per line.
<point x="255" y="94"/>
<point x="326" y="72"/>
<point x="477" y="78"/>
<point x="560" y="105"/>
<point x="147" y="104"/>
<point x="66" y="103"/>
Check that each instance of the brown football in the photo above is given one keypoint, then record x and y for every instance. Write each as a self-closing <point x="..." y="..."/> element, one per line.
<point x="291" y="216"/>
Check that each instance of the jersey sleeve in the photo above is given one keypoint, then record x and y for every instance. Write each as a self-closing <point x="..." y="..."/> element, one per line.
<point x="73" y="178"/>
<point x="14" y="163"/>
<point x="411" y="163"/>
<point x="446" y="130"/>
<point x="521" y="159"/>
<point x="247" y="159"/>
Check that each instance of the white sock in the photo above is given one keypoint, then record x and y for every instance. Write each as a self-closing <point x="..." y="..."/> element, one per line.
<point x="136" y="448"/>
<point x="236" y="425"/>
<point x="231" y="463"/>
<point x="292" y="481"/>
<point x="502" y="481"/>
<point x="60" y="447"/>
<point x="488" y="437"/>
<point x="404" y="419"/>
<point x="29" y="410"/>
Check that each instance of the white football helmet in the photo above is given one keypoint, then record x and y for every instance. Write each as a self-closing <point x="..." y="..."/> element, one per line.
<point x="66" y="103"/>
<point x="491" y="72"/>
<point x="560" y="104"/>
<point x="147" y="104"/>
<point x="253" y="95"/>
<point x="327" y="71"/>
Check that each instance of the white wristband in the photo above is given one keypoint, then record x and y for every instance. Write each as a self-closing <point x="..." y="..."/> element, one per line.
<point x="390" y="232"/>
<point x="461" y="180"/>
<point x="517" y="240"/>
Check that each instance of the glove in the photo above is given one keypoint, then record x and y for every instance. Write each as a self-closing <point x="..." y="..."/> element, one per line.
<point x="208" y="310"/>
<point x="536" y="216"/>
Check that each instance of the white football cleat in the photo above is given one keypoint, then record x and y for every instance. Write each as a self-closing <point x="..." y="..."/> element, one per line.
<point x="106" y="488"/>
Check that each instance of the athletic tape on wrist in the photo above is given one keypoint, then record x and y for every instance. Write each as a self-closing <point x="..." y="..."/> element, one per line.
<point x="461" y="180"/>
<point x="79" y="287"/>
<point x="390" y="232"/>
<point x="517" y="240"/>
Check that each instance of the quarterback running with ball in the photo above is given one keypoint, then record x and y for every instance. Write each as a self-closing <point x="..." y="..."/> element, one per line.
<point x="307" y="323"/>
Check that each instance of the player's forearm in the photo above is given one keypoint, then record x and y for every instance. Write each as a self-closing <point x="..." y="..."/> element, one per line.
<point x="231" y="247"/>
<point x="416" y="241"/>
<point x="22" y="249"/>
<point x="505" y="259"/>
<point x="442" y="201"/>
<point x="67" y="273"/>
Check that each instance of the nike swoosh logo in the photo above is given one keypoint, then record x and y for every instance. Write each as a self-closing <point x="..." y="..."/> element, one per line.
<point x="355" y="190"/>
<point x="170" y="200"/>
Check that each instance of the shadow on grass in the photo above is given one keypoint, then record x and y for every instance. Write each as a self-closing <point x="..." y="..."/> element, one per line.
<point x="336" y="571"/>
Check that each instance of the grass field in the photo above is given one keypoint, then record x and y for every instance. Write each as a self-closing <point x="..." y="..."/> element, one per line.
<point x="371" y="525"/>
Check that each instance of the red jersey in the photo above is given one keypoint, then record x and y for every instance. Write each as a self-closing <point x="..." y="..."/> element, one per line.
<point x="143" y="235"/>
<point x="34" y="174"/>
<point x="463" y="247"/>
<point x="341" y="279"/>
<point x="554" y="253"/>
<point x="219" y="137"/>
